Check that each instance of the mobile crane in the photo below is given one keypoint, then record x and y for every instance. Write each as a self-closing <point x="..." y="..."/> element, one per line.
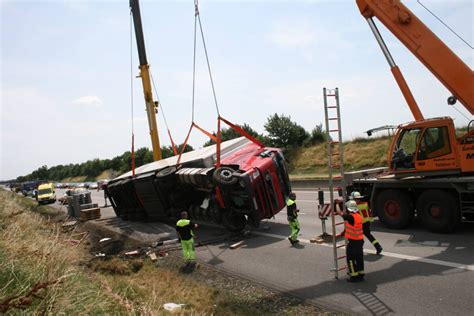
<point x="431" y="170"/>
<point x="151" y="105"/>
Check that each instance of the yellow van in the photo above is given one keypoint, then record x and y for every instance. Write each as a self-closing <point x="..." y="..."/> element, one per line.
<point x="46" y="193"/>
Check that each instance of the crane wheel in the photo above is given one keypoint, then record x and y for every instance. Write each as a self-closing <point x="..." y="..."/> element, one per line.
<point x="394" y="208"/>
<point x="438" y="210"/>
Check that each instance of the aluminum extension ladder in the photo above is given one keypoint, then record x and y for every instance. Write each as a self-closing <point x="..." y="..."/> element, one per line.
<point x="335" y="154"/>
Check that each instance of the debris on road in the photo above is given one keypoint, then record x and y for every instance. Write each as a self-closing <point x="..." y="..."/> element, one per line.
<point x="76" y="242"/>
<point x="237" y="244"/>
<point x="132" y="253"/>
<point x="153" y="256"/>
<point x="69" y="225"/>
<point x="89" y="214"/>
<point x="105" y="239"/>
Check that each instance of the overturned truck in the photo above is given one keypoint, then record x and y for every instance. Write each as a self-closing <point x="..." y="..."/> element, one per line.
<point x="249" y="184"/>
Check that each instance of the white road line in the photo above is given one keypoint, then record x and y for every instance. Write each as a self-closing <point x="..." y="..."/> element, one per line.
<point x="389" y="254"/>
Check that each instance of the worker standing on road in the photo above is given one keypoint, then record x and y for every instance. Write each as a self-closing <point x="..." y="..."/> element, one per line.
<point x="292" y="216"/>
<point x="184" y="228"/>
<point x="355" y="241"/>
<point x="367" y="218"/>
<point x="104" y="187"/>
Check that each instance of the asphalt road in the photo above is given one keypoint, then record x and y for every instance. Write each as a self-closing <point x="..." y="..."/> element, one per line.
<point x="419" y="272"/>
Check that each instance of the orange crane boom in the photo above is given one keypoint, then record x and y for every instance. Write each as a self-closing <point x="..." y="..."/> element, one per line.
<point x="450" y="70"/>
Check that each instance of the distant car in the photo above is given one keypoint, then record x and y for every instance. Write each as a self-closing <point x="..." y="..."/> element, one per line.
<point x="93" y="186"/>
<point x="81" y="185"/>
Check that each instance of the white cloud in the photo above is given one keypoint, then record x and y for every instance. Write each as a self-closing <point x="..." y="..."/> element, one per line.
<point x="90" y="100"/>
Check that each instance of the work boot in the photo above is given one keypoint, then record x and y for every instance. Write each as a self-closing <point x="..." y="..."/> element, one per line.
<point x="354" y="279"/>
<point x="378" y="248"/>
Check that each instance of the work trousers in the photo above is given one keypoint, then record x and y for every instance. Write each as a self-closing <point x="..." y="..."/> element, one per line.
<point x="295" y="229"/>
<point x="368" y="234"/>
<point x="355" y="257"/>
<point x="188" y="250"/>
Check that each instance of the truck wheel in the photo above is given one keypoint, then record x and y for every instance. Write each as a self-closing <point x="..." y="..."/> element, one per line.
<point x="234" y="222"/>
<point x="224" y="176"/>
<point x="166" y="172"/>
<point x="438" y="210"/>
<point x="394" y="208"/>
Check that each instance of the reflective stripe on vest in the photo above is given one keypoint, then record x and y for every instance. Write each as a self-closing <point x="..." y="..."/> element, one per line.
<point x="354" y="232"/>
<point x="183" y="222"/>
<point x="364" y="211"/>
<point x="290" y="202"/>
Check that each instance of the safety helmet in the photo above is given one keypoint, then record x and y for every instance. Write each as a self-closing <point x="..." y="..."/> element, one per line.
<point x="356" y="195"/>
<point x="352" y="206"/>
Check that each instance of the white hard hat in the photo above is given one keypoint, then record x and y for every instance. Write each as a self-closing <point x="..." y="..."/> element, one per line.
<point x="352" y="206"/>
<point x="356" y="195"/>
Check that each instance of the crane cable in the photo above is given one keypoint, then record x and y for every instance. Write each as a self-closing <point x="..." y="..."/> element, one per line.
<point x="173" y="145"/>
<point x="197" y="19"/>
<point x="131" y="94"/>
<point x="459" y="36"/>
<point x="446" y="25"/>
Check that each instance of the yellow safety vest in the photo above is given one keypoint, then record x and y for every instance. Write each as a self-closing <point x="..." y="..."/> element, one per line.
<point x="364" y="212"/>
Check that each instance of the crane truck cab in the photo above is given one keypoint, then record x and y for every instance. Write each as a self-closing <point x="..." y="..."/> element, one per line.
<point x="431" y="148"/>
<point x="46" y="193"/>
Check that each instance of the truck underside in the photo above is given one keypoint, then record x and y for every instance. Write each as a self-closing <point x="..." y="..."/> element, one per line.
<point x="252" y="184"/>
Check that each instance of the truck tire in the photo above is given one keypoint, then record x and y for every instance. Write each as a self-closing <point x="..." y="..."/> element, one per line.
<point x="234" y="222"/>
<point x="224" y="176"/>
<point x="394" y="208"/>
<point x="438" y="210"/>
<point x="163" y="173"/>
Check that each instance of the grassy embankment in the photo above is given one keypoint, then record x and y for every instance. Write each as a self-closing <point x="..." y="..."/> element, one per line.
<point x="361" y="153"/>
<point x="40" y="272"/>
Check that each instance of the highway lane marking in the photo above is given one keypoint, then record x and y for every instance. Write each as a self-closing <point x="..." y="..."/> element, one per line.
<point x="389" y="254"/>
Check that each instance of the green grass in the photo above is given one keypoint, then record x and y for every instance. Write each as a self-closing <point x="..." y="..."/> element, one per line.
<point x="361" y="153"/>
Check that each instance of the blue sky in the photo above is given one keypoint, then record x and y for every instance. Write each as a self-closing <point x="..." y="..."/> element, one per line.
<point x="66" y="72"/>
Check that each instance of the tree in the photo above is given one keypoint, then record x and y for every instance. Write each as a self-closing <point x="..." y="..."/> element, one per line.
<point x="317" y="136"/>
<point x="229" y="133"/>
<point x="284" y="133"/>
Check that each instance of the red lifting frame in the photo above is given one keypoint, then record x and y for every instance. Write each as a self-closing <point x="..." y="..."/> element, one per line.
<point x="217" y="139"/>
<point x="172" y="143"/>
<point x="236" y="128"/>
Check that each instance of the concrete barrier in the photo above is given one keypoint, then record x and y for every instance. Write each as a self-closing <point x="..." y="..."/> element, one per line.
<point x="311" y="184"/>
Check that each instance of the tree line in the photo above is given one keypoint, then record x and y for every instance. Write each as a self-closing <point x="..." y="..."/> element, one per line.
<point x="281" y="131"/>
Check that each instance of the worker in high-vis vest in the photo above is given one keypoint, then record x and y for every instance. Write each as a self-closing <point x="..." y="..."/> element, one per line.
<point x="292" y="216"/>
<point x="367" y="218"/>
<point x="355" y="242"/>
<point x="184" y="228"/>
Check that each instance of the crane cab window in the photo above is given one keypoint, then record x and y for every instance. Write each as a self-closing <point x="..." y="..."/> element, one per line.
<point x="402" y="157"/>
<point x="435" y="143"/>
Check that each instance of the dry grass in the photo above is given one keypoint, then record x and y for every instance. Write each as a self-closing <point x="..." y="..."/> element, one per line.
<point x="41" y="274"/>
<point x="361" y="153"/>
<point x="32" y="254"/>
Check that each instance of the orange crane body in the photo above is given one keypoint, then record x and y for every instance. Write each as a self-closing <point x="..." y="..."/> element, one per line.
<point x="431" y="169"/>
<point x="455" y="155"/>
